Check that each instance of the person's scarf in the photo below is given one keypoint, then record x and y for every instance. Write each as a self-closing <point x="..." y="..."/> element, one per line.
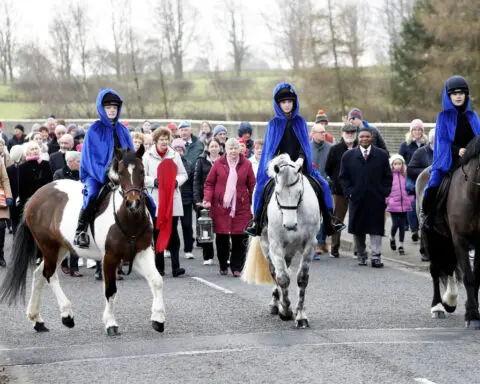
<point x="37" y="157"/>
<point x="230" y="196"/>
<point x="167" y="178"/>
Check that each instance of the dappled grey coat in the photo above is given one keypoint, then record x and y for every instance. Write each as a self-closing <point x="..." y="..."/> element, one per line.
<point x="367" y="183"/>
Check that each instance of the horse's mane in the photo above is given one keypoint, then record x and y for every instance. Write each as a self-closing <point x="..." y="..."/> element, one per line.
<point x="472" y="150"/>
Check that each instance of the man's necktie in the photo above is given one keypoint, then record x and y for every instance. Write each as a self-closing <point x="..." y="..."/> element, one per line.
<point x="365" y="154"/>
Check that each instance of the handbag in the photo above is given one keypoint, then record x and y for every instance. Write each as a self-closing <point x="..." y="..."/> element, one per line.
<point x="3" y="198"/>
<point x="410" y="186"/>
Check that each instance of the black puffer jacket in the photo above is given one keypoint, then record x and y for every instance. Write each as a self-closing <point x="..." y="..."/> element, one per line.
<point x="187" y="188"/>
<point x="332" y="166"/>
<point x="202" y="168"/>
<point x="33" y="176"/>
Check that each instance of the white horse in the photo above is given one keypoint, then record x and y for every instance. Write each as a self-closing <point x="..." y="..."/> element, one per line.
<point x="293" y="222"/>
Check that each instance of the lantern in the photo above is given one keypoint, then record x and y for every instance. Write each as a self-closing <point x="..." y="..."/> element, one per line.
<point x="204" y="227"/>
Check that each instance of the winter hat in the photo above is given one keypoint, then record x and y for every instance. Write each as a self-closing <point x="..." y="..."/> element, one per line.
<point x="457" y="84"/>
<point x="20" y="127"/>
<point x="395" y="157"/>
<point x="417" y="123"/>
<point x="111" y="99"/>
<point x="355" y="113"/>
<point x="184" y="124"/>
<point x="321" y="116"/>
<point x="172" y="126"/>
<point x="79" y="133"/>
<point x="71" y="127"/>
<point x="218" y="129"/>
<point x="285" y="93"/>
<point x="245" y="127"/>
<point x="242" y="140"/>
<point x="178" y="143"/>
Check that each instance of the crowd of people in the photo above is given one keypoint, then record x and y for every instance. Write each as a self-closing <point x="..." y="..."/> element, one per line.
<point x="221" y="172"/>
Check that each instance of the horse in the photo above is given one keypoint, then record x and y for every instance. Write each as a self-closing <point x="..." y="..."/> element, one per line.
<point x="121" y="229"/>
<point x="448" y="250"/>
<point x="293" y="215"/>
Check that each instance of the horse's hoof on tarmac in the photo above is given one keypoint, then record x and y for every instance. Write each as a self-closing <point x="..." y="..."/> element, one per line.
<point x="302" y="323"/>
<point x="287" y="317"/>
<point x="40" y="327"/>
<point x="438" y="315"/>
<point x="472" y="324"/>
<point x="157" y="326"/>
<point x="113" y="331"/>
<point x="68" y="321"/>
<point x="273" y="310"/>
<point x="448" y="308"/>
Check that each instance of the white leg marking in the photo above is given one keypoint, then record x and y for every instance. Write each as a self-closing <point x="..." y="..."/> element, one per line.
<point x="144" y="264"/>
<point x="451" y="294"/>
<point x="38" y="283"/>
<point x="109" y="313"/>
<point x="437" y="308"/>
<point x="63" y="303"/>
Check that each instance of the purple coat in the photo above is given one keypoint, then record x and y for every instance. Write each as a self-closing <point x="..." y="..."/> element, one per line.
<point x="399" y="200"/>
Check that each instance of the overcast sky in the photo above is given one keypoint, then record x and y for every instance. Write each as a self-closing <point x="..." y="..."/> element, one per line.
<point x="34" y="16"/>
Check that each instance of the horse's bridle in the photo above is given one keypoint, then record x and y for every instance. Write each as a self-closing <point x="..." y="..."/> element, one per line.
<point x="299" y="179"/>
<point x="466" y="176"/>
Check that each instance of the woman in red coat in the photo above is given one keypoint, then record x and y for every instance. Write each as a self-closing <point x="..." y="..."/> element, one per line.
<point x="228" y="193"/>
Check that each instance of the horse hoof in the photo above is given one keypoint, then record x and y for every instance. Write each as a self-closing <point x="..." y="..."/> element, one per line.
<point x="273" y="310"/>
<point x="68" y="321"/>
<point x="113" y="331"/>
<point x="40" y="327"/>
<point x="287" y="317"/>
<point x="472" y="324"/>
<point x="448" y="308"/>
<point x="302" y="323"/>
<point x="157" y="326"/>
<point x="438" y="315"/>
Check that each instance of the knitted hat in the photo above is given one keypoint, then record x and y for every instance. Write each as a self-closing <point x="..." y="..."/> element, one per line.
<point x="20" y="127"/>
<point x="321" y="116"/>
<point x="395" y="157"/>
<point x="417" y="123"/>
<point x="111" y="99"/>
<point x="242" y="140"/>
<point x="285" y="93"/>
<point x="355" y="113"/>
<point x="218" y="129"/>
<point x="71" y="127"/>
<point x="79" y="133"/>
<point x="184" y="124"/>
<point x="172" y="126"/>
<point x="178" y="143"/>
<point x="245" y="127"/>
<point x="349" y="128"/>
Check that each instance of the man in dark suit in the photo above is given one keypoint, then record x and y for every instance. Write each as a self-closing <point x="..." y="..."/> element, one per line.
<point x="366" y="177"/>
<point x="57" y="159"/>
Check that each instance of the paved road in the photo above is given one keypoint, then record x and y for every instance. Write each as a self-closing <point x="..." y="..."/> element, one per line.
<point x="367" y="326"/>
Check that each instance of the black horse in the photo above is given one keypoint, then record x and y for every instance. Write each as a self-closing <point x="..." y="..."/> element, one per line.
<point x="448" y="248"/>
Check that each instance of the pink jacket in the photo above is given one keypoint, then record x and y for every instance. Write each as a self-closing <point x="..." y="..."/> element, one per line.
<point x="215" y="189"/>
<point x="399" y="200"/>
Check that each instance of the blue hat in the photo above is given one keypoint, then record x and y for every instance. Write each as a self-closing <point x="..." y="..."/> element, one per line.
<point x="218" y="129"/>
<point x="184" y="124"/>
<point x="245" y="127"/>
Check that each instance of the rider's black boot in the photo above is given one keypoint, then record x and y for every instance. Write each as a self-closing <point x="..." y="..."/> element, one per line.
<point x="82" y="239"/>
<point x="429" y="207"/>
<point x="252" y="228"/>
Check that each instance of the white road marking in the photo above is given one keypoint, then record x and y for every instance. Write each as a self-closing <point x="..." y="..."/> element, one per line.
<point x="422" y="380"/>
<point x="206" y="282"/>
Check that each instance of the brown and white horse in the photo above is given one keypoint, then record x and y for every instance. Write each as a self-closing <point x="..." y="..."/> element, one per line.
<point x="123" y="229"/>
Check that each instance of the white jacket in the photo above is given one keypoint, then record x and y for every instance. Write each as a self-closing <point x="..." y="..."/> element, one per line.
<point x="151" y="161"/>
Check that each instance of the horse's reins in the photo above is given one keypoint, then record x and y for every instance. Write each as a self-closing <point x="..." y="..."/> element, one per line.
<point x="132" y="239"/>
<point x="290" y="207"/>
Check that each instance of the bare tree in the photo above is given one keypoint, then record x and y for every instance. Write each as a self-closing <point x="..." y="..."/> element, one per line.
<point x="392" y="14"/>
<point x="118" y="32"/>
<point x="7" y="42"/>
<point x="62" y="43"/>
<point x="34" y="65"/>
<point x="133" y="61"/>
<point x="177" y="22"/>
<point x="236" y="34"/>
<point x="80" y="20"/>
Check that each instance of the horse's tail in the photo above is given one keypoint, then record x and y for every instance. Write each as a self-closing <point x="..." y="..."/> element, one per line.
<point x="256" y="269"/>
<point x="24" y="251"/>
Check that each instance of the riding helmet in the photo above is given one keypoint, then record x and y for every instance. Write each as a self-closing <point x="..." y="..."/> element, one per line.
<point x="285" y="93"/>
<point x="111" y="99"/>
<point x="456" y="84"/>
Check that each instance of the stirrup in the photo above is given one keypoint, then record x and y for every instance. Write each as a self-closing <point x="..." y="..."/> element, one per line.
<point x="339" y="227"/>
<point x="82" y="240"/>
<point x="251" y="229"/>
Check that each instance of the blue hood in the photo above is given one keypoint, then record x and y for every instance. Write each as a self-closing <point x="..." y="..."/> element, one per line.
<point x="101" y="110"/>
<point x="278" y="111"/>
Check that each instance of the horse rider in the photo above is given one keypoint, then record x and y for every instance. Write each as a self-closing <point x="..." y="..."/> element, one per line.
<point x="456" y="125"/>
<point x="101" y="140"/>
<point x="287" y="133"/>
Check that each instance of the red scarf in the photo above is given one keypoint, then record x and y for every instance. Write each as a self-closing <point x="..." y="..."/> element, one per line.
<point x="167" y="178"/>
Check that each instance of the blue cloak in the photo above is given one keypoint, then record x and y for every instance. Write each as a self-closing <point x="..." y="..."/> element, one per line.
<point x="97" y="149"/>
<point x="273" y="136"/>
<point x="446" y="126"/>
